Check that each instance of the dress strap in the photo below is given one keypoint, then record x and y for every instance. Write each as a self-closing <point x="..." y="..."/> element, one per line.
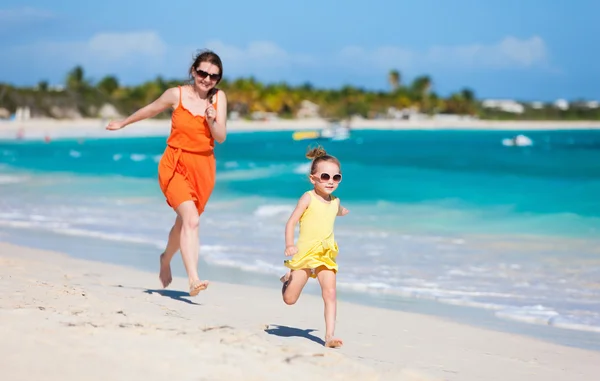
<point x="180" y="104"/>
<point x="215" y="99"/>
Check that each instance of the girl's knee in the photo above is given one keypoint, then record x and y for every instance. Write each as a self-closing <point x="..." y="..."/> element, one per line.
<point x="329" y="294"/>
<point x="290" y="299"/>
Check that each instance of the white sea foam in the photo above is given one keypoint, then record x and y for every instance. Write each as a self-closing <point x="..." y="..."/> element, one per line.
<point x="273" y="210"/>
<point x="12" y="179"/>
<point x="137" y="157"/>
<point x="302" y="169"/>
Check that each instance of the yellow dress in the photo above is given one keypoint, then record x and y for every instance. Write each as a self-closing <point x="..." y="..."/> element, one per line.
<point x="316" y="242"/>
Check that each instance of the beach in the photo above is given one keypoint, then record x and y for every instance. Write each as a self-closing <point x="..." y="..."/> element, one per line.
<point x="475" y="270"/>
<point x="68" y="319"/>
<point x="77" y="128"/>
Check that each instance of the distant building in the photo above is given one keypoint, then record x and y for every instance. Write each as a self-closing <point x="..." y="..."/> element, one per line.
<point x="590" y="105"/>
<point x="108" y="111"/>
<point x="505" y="105"/>
<point x="308" y="110"/>
<point x="409" y="113"/>
<point x="561" y="104"/>
<point x="537" y="105"/>
<point x="264" y="116"/>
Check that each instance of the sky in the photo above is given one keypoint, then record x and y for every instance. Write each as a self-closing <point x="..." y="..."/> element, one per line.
<point x="517" y="49"/>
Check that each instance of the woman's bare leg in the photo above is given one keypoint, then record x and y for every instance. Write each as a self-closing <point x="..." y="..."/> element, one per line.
<point x="170" y="251"/>
<point x="190" y="245"/>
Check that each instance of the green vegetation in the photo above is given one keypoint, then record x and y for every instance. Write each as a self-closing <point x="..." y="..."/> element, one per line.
<point x="81" y="97"/>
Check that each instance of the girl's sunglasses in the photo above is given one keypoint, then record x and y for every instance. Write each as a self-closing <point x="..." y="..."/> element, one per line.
<point x="202" y="74"/>
<point x="326" y="176"/>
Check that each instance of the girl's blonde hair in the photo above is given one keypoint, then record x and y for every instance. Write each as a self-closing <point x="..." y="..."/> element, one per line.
<point x="317" y="155"/>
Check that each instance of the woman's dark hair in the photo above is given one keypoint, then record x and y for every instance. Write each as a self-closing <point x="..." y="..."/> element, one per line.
<point x="210" y="57"/>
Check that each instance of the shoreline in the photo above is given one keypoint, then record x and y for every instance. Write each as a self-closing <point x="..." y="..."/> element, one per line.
<point x="57" y="302"/>
<point x="133" y="255"/>
<point x="52" y="128"/>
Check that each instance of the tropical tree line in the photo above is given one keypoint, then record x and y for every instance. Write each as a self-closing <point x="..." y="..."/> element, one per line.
<point x="81" y="96"/>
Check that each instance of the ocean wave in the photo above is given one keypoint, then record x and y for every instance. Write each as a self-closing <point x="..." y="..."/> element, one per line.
<point x="12" y="179"/>
<point x="74" y="154"/>
<point x="273" y="210"/>
<point x="541" y="315"/>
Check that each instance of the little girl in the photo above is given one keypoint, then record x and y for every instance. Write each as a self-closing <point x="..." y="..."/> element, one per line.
<point x="316" y="250"/>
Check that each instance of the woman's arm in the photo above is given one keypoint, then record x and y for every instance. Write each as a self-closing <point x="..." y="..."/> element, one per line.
<point x="218" y="125"/>
<point x="168" y="99"/>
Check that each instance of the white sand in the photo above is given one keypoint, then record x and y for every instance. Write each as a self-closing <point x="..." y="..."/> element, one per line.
<point x="40" y="128"/>
<point x="68" y="319"/>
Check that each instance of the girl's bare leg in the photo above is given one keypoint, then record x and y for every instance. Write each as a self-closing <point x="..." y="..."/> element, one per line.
<point x="170" y="251"/>
<point x="295" y="283"/>
<point x="327" y="280"/>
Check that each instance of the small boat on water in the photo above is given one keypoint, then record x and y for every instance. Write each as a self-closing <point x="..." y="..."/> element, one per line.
<point x="334" y="133"/>
<point x="517" y="141"/>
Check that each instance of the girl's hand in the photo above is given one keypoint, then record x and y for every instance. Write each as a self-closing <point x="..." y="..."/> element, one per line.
<point x="210" y="114"/>
<point x="290" y="250"/>
<point x="115" y="125"/>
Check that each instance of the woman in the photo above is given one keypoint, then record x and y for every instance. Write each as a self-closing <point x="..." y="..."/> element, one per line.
<point x="186" y="172"/>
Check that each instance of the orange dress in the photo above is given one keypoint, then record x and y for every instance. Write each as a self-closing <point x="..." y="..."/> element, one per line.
<point x="187" y="168"/>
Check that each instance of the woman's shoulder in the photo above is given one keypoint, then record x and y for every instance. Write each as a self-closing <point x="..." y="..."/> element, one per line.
<point x="221" y="96"/>
<point x="172" y="96"/>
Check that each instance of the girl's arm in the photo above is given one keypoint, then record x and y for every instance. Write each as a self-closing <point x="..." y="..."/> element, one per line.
<point x="294" y="218"/>
<point x="218" y="125"/>
<point x="168" y="99"/>
<point x="342" y="211"/>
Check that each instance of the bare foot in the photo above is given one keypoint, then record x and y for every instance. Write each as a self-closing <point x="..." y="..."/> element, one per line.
<point x="332" y="342"/>
<point x="165" y="272"/>
<point x="286" y="277"/>
<point x="286" y="281"/>
<point x="197" y="286"/>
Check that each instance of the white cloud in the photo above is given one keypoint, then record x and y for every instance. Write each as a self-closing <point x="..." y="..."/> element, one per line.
<point x="511" y="52"/>
<point x="259" y="55"/>
<point x="25" y="15"/>
<point x="140" y="55"/>
<point x="120" y="46"/>
<point x="101" y="50"/>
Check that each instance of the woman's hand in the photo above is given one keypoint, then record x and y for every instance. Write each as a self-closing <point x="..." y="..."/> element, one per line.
<point x="115" y="125"/>
<point x="210" y="114"/>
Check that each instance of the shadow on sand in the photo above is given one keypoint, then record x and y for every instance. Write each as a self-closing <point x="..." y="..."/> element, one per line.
<point x="175" y="295"/>
<point x="284" y="331"/>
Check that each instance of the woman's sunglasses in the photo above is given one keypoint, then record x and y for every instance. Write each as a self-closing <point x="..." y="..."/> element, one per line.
<point x="326" y="176"/>
<point x="202" y="74"/>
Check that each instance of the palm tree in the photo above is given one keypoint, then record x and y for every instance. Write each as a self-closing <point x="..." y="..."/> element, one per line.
<point x="77" y="86"/>
<point x="108" y="85"/>
<point x="421" y="85"/>
<point x="394" y="79"/>
<point x="75" y="79"/>
<point x="420" y="89"/>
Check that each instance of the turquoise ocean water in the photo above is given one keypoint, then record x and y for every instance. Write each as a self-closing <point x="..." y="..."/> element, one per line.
<point x="447" y="217"/>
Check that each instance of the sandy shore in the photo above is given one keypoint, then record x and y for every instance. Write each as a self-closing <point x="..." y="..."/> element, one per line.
<point x="68" y="319"/>
<point x="40" y="128"/>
